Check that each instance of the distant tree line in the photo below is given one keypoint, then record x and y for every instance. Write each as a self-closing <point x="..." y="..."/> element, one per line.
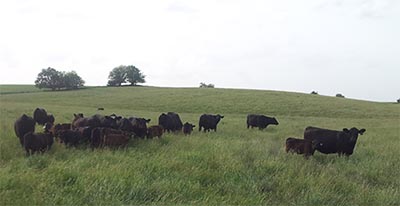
<point x="56" y="80"/>
<point x="125" y="74"/>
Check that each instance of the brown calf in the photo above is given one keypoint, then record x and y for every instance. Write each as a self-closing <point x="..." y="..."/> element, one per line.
<point x="155" y="131"/>
<point x="299" y="146"/>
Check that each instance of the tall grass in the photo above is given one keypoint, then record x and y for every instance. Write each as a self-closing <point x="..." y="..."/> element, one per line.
<point x="235" y="166"/>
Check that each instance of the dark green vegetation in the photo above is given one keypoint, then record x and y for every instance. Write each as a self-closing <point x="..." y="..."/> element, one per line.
<point x="52" y="79"/>
<point x="233" y="166"/>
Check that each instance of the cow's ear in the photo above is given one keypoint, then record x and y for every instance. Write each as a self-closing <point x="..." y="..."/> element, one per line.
<point x="193" y="125"/>
<point x="148" y="120"/>
<point x="345" y="130"/>
<point x="222" y="116"/>
<point x="75" y="115"/>
<point x="362" y="131"/>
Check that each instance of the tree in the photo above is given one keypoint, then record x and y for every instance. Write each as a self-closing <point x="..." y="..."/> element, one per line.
<point x="117" y="76"/>
<point x="204" y="85"/>
<point x="134" y="75"/>
<point x="53" y="79"/>
<point x="72" y="80"/>
<point x="124" y="74"/>
<point x="49" y="78"/>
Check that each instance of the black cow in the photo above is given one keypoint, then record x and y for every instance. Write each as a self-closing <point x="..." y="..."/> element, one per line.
<point x="71" y="137"/>
<point x="105" y="121"/>
<point x="331" y="141"/>
<point x="188" y="128"/>
<point x="37" y="142"/>
<point x="260" y="121"/>
<point x="23" y="125"/>
<point x="139" y="126"/>
<point x="50" y="119"/>
<point x="125" y="124"/>
<point x="209" y="122"/>
<point x="81" y="121"/>
<point x="57" y="128"/>
<point x="40" y="116"/>
<point x="170" y="122"/>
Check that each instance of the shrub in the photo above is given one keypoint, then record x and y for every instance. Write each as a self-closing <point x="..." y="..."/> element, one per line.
<point x="340" y="95"/>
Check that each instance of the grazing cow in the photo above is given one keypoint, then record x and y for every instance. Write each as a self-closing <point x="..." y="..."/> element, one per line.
<point x="209" y="122"/>
<point x="23" y="125"/>
<point x="260" y="121"/>
<point x="170" y="122"/>
<point x="139" y="126"/>
<point x="188" y="128"/>
<point x="40" y="116"/>
<point x="299" y="146"/>
<point x="37" y="142"/>
<point x="331" y="141"/>
<point x="155" y="131"/>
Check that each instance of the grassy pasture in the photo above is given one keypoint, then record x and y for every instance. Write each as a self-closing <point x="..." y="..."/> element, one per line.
<point x="234" y="166"/>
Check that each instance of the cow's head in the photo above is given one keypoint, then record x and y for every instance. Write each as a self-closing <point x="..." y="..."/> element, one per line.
<point x="47" y="127"/>
<point x="353" y="133"/>
<point x="79" y="115"/>
<point x="274" y="121"/>
<point x="109" y="121"/>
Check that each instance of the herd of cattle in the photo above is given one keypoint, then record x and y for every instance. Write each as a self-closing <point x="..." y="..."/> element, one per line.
<point x="99" y="131"/>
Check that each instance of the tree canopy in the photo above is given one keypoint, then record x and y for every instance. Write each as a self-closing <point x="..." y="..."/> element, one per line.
<point x="125" y="74"/>
<point x="56" y="80"/>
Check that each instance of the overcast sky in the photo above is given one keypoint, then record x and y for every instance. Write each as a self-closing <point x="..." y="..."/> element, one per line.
<point x="350" y="47"/>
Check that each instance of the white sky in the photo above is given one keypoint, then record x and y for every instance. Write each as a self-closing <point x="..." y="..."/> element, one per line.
<point x="330" y="46"/>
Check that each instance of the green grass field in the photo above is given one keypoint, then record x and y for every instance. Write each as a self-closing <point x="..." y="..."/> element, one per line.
<point x="234" y="166"/>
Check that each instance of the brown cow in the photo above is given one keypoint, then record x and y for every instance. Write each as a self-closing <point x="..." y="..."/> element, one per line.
<point x="101" y="137"/>
<point x="155" y="131"/>
<point x="299" y="146"/>
<point x="115" y="140"/>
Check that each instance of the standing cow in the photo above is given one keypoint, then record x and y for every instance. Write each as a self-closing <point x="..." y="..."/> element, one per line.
<point x="23" y="125"/>
<point x="260" y="121"/>
<point x="170" y="122"/>
<point x="41" y="117"/>
<point x="155" y="131"/>
<point x="209" y="122"/>
<point x="37" y="142"/>
<point x="188" y="128"/>
<point x="331" y="141"/>
<point x="139" y="126"/>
